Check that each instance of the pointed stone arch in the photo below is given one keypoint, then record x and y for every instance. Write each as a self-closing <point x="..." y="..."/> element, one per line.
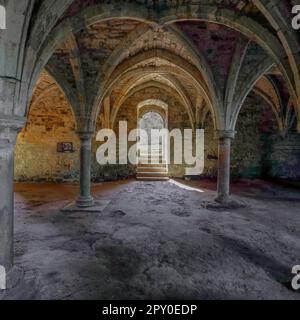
<point x="168" y="82"/>
<point x="177" y="65"/>
<point x="248" y="85"/>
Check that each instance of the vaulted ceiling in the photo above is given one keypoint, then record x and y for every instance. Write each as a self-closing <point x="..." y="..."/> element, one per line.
<point x="210" y="54"/>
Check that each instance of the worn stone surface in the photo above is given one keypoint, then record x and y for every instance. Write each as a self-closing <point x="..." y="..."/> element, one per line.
<point x="157" y="241"/>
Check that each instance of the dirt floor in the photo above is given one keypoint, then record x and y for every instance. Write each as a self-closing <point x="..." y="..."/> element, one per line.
<point x="156" y="240"/>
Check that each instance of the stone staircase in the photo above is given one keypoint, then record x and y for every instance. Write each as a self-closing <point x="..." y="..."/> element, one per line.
<point x="152" y="166"/>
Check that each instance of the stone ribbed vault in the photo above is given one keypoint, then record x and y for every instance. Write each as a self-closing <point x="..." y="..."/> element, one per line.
<point x="208" y="54"/>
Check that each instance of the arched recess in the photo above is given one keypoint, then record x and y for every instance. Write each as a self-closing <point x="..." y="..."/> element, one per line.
<point x="68" y="92"/>
<point x="272" y="105"/>
<point x="166" y="80"/>
<point x="156" y="105"/>
<point x="174" y="65"/>
<point x="50" y="123"/>
<point x="62" y="86"/>
<point x="249" y="84"/>
<point x="56" y="84"/>
<point x="167" y="89"/>
<point x="181" y="96"/>
<point x="283" y="118"/>
<point x="269" y="91"/>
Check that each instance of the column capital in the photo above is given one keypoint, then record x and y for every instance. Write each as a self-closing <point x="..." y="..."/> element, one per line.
<point x="13" y="123"/>
<point x="225" y="134"/>
<point x="9" y="128"/>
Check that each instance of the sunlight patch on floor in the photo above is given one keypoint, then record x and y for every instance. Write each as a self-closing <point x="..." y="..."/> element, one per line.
<point x="185" y="187"/>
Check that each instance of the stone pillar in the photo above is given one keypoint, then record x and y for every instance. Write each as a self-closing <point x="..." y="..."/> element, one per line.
<point x="9" y="129"/>
<point x="85" y="199"/>
<point x="225" y="138"/>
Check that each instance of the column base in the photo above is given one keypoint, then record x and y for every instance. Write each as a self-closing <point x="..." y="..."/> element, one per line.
<point x="84" y="202"/>
<point x="221" y="203"/>
<point x="98" y="206"/>
<point x="223" y="199"/>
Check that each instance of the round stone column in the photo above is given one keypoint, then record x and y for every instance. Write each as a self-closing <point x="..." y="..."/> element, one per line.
<point x="224" y="138"/>
<point x="9" y="129"/>
<point x="85" y="199"/>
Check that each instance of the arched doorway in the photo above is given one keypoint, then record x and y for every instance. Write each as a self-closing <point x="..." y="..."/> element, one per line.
<point x="153" y="151"/>
<point x="152" y="146"/>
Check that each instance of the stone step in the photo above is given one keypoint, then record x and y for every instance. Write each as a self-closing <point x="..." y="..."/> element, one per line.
<point x="153" y="178"/>
<point x="154" y="175"/>
<point x="152" y="169"/>
<point x="150" y="164"/>
<point x="152" y="160"/>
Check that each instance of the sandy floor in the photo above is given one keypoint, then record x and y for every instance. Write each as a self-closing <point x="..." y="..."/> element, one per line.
<point x="156" y="240"/>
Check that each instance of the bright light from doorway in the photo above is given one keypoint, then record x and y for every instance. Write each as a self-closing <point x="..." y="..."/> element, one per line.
<point x="185" y="187"/>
